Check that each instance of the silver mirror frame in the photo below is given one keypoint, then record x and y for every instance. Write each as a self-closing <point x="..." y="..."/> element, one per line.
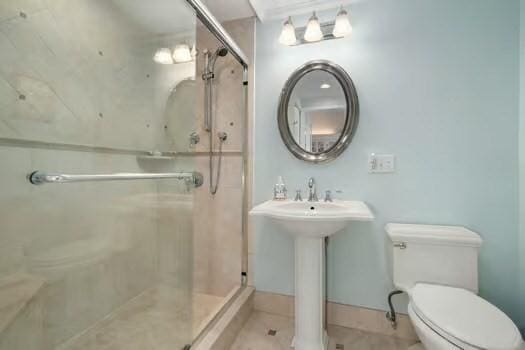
<point x="352" y="111"/>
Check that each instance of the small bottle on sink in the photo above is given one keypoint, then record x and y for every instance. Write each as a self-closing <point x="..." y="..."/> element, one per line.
<point x="279" y="190"/>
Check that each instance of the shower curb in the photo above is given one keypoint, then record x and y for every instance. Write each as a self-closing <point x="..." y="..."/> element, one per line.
<point x="222" y="334"/>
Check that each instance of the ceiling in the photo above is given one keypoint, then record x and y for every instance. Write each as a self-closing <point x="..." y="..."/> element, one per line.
<point x="169" y="16"/>
<point x="227" y="10"/>
<point x="279" y="9"/>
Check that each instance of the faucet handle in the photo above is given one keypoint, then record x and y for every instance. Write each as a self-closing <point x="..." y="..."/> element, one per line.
<point x="328" y="196"/>
<point x="298" y="196"/>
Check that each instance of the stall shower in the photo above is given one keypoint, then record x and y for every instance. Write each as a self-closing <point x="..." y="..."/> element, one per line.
<point x="113" y="223"/>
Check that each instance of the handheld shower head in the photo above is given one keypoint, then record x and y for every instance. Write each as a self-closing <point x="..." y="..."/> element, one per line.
<point x="220" y="52"/>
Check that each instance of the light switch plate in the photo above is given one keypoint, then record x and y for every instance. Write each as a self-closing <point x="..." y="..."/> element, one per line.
<point x="381" y="163"/>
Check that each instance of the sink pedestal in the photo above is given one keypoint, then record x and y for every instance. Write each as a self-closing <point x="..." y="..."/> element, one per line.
<point x="310" y="332"/>
<point x="309" y="223"/>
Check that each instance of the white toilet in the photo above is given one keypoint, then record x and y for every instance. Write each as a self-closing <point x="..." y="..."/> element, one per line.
<point x="438" y="267"/>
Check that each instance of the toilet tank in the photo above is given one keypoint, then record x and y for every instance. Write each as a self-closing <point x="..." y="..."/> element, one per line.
<point x="446" y="255"/>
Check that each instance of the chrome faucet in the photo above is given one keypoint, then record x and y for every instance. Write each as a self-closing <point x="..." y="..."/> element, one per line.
<point x="312" y="195"/>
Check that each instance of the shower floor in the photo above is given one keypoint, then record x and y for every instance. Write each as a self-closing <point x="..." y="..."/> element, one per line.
<point x="157" y="319"/>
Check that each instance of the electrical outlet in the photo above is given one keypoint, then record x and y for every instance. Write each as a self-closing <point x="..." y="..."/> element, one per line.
<point x="381" y="163"/>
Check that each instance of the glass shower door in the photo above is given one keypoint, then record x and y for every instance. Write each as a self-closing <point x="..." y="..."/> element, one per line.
<point x="85" y="90"/>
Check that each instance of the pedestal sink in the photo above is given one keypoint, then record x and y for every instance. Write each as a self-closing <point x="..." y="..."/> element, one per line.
<point x="309" y="223"/>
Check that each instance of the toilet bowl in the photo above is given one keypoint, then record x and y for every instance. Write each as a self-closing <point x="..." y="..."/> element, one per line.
<point x="437" y="266"/>
<point x="454" y="318"/>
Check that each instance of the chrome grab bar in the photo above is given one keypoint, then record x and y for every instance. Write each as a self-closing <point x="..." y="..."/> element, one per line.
<point x="38" y="178"/>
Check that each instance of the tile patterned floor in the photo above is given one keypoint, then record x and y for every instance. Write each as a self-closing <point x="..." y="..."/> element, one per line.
<point x="255" y="336"/>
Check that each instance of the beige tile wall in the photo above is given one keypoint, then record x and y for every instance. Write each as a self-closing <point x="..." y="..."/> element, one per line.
<point x="81" y="72"/>
<point x="94" y="245"/>
<point x="218" y="242"/>
<point x="77" y="71"/>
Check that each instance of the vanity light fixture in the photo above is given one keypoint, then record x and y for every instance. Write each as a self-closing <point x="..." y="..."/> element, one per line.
<point x="316" y="31"/>
<point x="287" y="36"/>
<point x="313" y="31"/>
<point x="182" y="54"/>
<point x="163" y="56"/>
<point x="342" y="26"/>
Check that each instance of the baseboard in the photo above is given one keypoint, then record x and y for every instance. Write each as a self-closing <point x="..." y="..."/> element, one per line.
<point x="349" y="316"/>
<point x="222" y="334"/>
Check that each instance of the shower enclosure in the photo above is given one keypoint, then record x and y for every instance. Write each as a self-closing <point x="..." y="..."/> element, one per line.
<point x="109" y="235"/>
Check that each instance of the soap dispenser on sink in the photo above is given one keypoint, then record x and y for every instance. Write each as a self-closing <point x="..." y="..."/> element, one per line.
<point x="279" y="190"/>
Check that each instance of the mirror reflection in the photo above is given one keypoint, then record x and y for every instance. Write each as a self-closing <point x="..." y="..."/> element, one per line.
<point x="317" y="111"/>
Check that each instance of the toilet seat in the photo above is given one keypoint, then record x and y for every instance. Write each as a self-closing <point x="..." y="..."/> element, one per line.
<point x="463" y="318"/>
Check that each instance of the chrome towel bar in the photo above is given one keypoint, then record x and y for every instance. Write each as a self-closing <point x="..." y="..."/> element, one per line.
<point x="39" y="178"/>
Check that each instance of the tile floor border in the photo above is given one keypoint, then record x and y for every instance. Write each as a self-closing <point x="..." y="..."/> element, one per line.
<point x="349" y="316"/>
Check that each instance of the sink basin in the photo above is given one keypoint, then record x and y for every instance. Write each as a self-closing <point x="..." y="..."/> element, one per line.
<point x="309" y="223"/>
<point x="313" y="219"/>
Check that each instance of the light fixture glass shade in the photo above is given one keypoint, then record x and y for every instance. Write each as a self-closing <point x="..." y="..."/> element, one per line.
<point x="182" y="53"/>
<point x="287" y="36"/>
<point x="313" y="30"/>
<point x="342" y="26"/>
<point x="163" y="56"/>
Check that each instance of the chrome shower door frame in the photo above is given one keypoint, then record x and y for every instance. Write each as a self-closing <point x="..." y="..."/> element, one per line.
<point x="214" y="26"/>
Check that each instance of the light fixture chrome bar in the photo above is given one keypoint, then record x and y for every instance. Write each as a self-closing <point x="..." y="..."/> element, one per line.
<point x="218" y="30"/>
<point x="326" y="28"/>
<point x="39" y="178"/>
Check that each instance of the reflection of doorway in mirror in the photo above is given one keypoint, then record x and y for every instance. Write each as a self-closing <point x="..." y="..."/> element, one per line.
<point x="300" y="126"/>
<point x="307" y="132"/>
<point x="294" y="123"/>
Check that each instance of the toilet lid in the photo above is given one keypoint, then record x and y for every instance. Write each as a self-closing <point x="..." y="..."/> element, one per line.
<point x="460" y="314"/>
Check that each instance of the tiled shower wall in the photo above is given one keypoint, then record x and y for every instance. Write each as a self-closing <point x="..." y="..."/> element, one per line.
<point x="80" y="72"/>
<point x="218" y="241"/>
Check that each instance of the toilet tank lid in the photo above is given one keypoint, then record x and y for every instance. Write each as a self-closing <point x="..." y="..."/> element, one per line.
<point x="433" y="234"/>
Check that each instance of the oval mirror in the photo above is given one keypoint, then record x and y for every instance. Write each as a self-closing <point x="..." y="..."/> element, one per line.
<point x="318" y="111"/>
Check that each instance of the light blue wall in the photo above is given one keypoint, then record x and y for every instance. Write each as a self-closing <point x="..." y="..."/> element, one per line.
<point x="438" y="87"/>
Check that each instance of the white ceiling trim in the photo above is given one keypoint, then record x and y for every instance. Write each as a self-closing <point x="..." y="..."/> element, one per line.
<point x="227" y="10"/>
<point x="275" y="9"/>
